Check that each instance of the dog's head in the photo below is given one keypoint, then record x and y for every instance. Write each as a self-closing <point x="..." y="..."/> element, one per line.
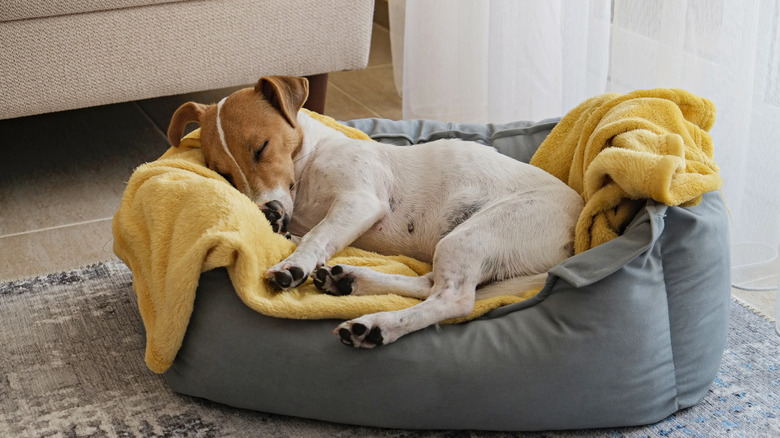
<point x="250" y="138"/>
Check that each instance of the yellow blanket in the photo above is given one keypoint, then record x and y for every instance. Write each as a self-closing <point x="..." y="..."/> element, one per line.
<point x="617" y="150"/>
<point x="178" y="219"/>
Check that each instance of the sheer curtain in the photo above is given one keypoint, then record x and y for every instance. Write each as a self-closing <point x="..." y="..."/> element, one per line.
<point x="729" y="52"/>
<point x="504" y="60"/>
<point x="499" y="60"/>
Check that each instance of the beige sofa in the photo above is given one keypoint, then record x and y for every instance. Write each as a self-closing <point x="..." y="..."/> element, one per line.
<point x="59" y="55"/>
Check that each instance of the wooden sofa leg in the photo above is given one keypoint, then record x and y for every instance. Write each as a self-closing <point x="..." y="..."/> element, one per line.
<point x="318" y="86"/>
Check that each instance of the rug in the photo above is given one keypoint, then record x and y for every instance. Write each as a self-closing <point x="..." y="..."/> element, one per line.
<point x="71" y="365"/>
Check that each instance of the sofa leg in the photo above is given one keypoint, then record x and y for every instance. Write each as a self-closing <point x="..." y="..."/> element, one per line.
<point x="318" y="86"/>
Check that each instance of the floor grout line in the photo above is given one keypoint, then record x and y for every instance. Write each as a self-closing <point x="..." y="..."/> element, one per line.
<point x="382" y="26"/>
<point x="376" y="66"/>
<point x="353" y="99"/>
<point x="149" y="119"/>
<point x="56" y="227"/>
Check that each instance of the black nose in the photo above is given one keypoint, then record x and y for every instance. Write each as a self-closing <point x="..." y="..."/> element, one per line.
<point x="276" y="215"/>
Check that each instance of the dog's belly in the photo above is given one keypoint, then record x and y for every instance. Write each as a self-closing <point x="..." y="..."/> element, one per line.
<point x="395" y="236"/>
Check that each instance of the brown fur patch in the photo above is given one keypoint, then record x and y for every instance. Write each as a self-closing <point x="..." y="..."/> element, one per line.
<point x="261" y="134"/>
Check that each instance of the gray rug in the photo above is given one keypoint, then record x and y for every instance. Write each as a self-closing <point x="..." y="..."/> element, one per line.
<point x="71" y="363"/>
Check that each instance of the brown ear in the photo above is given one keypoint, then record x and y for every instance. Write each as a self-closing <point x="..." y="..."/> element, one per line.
<point x="188" y="113"/>
<point x="286" y="93"/>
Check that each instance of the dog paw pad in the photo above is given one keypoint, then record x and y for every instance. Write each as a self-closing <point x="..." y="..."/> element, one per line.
<point x="320" y="276"/>
<point x="282" y="280"/>
<point x="344" y="285"/>
<point x="334" y="281"/>
<point x="359" y="335"/>
<point x="358" y="329"/>
<point x="346" y="337"/>
<point x="286" y="277"/>
<point x="296" y="272"/>
<point x="374" y="336"/>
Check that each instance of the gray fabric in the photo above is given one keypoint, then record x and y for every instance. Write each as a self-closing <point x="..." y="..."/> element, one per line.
<point x="519" y="140"/>
<point x="624" y="334"/>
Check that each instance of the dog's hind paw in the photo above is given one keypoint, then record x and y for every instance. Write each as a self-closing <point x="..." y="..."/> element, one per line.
<point x="355" y="334"/>
<point x="334" y="280"/>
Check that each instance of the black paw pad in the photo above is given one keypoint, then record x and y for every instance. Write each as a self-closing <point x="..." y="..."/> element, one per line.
<point x="345" y="285"/>
<point x="324" y="279"/>
<point x="319" y="277"/>
<point x="375" y="336"/>
<point x="358" y="329"/>
<point x="282" y="279"/>
<point x="296" y="272"/>
<point x="346" y="337"/>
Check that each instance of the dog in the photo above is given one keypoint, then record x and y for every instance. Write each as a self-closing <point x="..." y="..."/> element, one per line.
<point x="477" y="216"/>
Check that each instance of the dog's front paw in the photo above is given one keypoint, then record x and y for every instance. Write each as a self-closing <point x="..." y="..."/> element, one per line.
<point x="285" y="276"/>
<point x="334" y="280"/>
<point x="359" y="335"/>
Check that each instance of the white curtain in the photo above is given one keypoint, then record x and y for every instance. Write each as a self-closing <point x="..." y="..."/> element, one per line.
<point x="499" y="60"/>
<point x="504" y="60"/>
<point x="729" y="52"/>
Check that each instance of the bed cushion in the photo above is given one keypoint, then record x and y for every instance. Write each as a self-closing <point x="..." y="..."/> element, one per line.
<point x="623" y="334"/>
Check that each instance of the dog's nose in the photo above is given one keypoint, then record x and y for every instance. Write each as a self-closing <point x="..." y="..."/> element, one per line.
<point x="279" y="219"/>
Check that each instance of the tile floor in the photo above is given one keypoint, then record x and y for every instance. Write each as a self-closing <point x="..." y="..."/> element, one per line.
<point x="62" y="175"/>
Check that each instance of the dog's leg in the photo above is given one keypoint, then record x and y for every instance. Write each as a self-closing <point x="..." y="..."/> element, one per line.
<point x="349" y="216"/>
<point x="452" y="296"/>
<point x="456" y="274"/>
<point x="503" y="240"/>
<point x="360" y="280"/>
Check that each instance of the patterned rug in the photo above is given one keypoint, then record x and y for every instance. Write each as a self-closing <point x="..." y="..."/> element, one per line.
<point x="71" y="363"/>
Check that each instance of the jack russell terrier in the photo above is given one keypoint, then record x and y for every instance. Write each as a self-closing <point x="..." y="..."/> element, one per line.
<point x="478" y="216"/>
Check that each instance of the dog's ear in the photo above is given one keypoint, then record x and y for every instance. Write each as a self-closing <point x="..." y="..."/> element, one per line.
<point x="188" y="113"/>
<point x="286" y="93"/>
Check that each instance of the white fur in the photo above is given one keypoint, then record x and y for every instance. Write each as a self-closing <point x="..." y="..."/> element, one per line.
<point x="477" y="215"/>
<point x="223" y="141"/>
<point x="220" y="131"/>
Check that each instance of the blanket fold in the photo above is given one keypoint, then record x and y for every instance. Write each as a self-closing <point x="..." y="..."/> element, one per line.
<point x="617" y="150"/>
<point x="178" y="219"/>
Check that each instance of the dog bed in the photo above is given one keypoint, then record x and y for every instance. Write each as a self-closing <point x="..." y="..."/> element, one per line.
<point x="626" y="332"/>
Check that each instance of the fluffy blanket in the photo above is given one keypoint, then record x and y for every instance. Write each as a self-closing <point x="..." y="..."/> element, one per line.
<point x="617" y="150"/>
<point x="178" y="219"/>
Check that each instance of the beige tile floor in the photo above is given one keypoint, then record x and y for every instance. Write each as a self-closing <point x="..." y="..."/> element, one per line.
<point x="62" y="175"/>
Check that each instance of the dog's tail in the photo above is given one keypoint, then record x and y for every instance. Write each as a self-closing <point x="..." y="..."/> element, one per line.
<point x="512" y="286"/>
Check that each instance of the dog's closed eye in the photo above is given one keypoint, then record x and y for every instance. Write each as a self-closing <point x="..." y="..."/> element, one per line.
<point x="259" y="152"/>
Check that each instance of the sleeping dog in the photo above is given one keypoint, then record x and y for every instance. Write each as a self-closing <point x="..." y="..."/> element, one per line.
<point x="478" y="216"/>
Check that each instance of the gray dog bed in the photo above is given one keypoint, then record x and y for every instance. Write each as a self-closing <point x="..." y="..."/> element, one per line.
<point x="623" y="334"/>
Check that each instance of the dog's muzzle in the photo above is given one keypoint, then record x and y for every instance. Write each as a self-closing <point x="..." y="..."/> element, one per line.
<point x="278" y="218"/>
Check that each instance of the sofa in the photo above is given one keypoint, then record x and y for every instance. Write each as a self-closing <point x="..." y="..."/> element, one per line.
<point x="58" y="55"/>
